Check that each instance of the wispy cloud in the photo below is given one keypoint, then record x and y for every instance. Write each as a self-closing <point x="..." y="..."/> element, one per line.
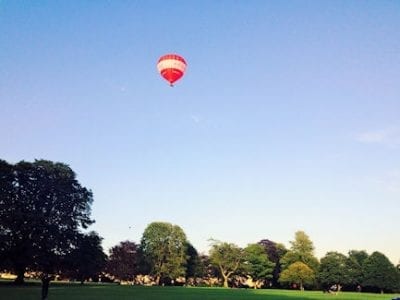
<point x="388" y="136"/>
<point x="195" y="118"/>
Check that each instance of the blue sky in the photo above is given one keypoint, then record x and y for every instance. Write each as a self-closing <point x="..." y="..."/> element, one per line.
<point x="288" y="117"/>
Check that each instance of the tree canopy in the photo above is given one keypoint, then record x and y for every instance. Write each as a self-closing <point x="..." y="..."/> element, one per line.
<point x="275" y="252"/>
<point x="256" y="264"/>
<point x="87" y="260"/>
<point x="123" y="262"/>
<point x="42" y="209"/>
<point x="227" y="257"/>
<point x="164" y="249"/>
<point x="302" y="249"/>
<point x="194" y="266"/>
<point x="333" y="270"/>
<point x="380" y="273"/>
<point x="298" y="273"/>
<point x="354" y="267"/>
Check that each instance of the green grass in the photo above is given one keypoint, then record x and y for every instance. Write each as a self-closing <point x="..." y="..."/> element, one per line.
<point x="104" y="291"/>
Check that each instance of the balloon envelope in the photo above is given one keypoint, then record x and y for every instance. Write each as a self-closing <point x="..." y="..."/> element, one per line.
<point x="171" y="67"/>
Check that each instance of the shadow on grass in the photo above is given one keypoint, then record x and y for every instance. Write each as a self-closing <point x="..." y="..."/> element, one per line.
<point x="105" y="291"/>
<point x="10" y="283"/>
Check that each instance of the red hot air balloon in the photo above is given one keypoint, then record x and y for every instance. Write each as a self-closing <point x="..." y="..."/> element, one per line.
<point x="171" y="67"/>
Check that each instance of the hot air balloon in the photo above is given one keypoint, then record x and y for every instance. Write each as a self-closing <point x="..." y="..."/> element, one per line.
<point x="171" y="67"/>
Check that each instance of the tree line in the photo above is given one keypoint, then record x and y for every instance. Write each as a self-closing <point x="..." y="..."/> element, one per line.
<point x="165" y="253"/>
<point x="44" y="221"/>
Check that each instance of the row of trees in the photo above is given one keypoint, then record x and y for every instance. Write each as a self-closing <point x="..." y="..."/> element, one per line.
<point x="165" y="253"/>
<point x="45" y="214"/>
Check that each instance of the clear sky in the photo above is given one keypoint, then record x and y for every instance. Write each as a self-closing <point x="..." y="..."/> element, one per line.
<point x="288" y="117"/>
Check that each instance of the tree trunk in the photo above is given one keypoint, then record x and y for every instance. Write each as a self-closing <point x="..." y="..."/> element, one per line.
<point x="20" y="276"/>
<point x="45" y="286"/>
<point x="256" y="282"/>
<point x="225" y="281"/>
<point x="301" y="286"/>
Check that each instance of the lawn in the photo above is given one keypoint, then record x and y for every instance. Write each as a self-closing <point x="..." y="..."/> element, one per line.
<point x="104" y="291"/>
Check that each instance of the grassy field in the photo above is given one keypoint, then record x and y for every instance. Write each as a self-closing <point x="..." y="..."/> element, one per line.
<point x="100" y="292"/>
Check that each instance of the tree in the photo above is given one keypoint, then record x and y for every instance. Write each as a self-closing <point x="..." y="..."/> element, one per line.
<point x="193" y="264"/>
<point x="42" y="209"/>
<point x="380" y="273"/>
<point x="354" y="269"/>
<point x="275" y="252"/>
<point x="164" y="249"/>
<point x="123" y="261"/>
<point x="302" y="249"/>
<point x="88" y="259"/>
<point x="227" y="258"/>
<point x="333" y="270"/>
<point x="6" y="199"/>
<point x="206" y="269"/>
<point x="358" y="256"/>
<point x="298" y="273"/>
<point x="256" y="264"/>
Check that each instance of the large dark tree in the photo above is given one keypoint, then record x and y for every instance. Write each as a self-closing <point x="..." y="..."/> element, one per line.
<point x="6" y="198"/>
<point x="194" y="267"/>
<point x="354" y="268"/>
<point x="123" y="262"/>
<point x="87" y="260"/>
<point x="42" y="209"/>
<point x="380" y="274"/>
<point x="333" y="270"/>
